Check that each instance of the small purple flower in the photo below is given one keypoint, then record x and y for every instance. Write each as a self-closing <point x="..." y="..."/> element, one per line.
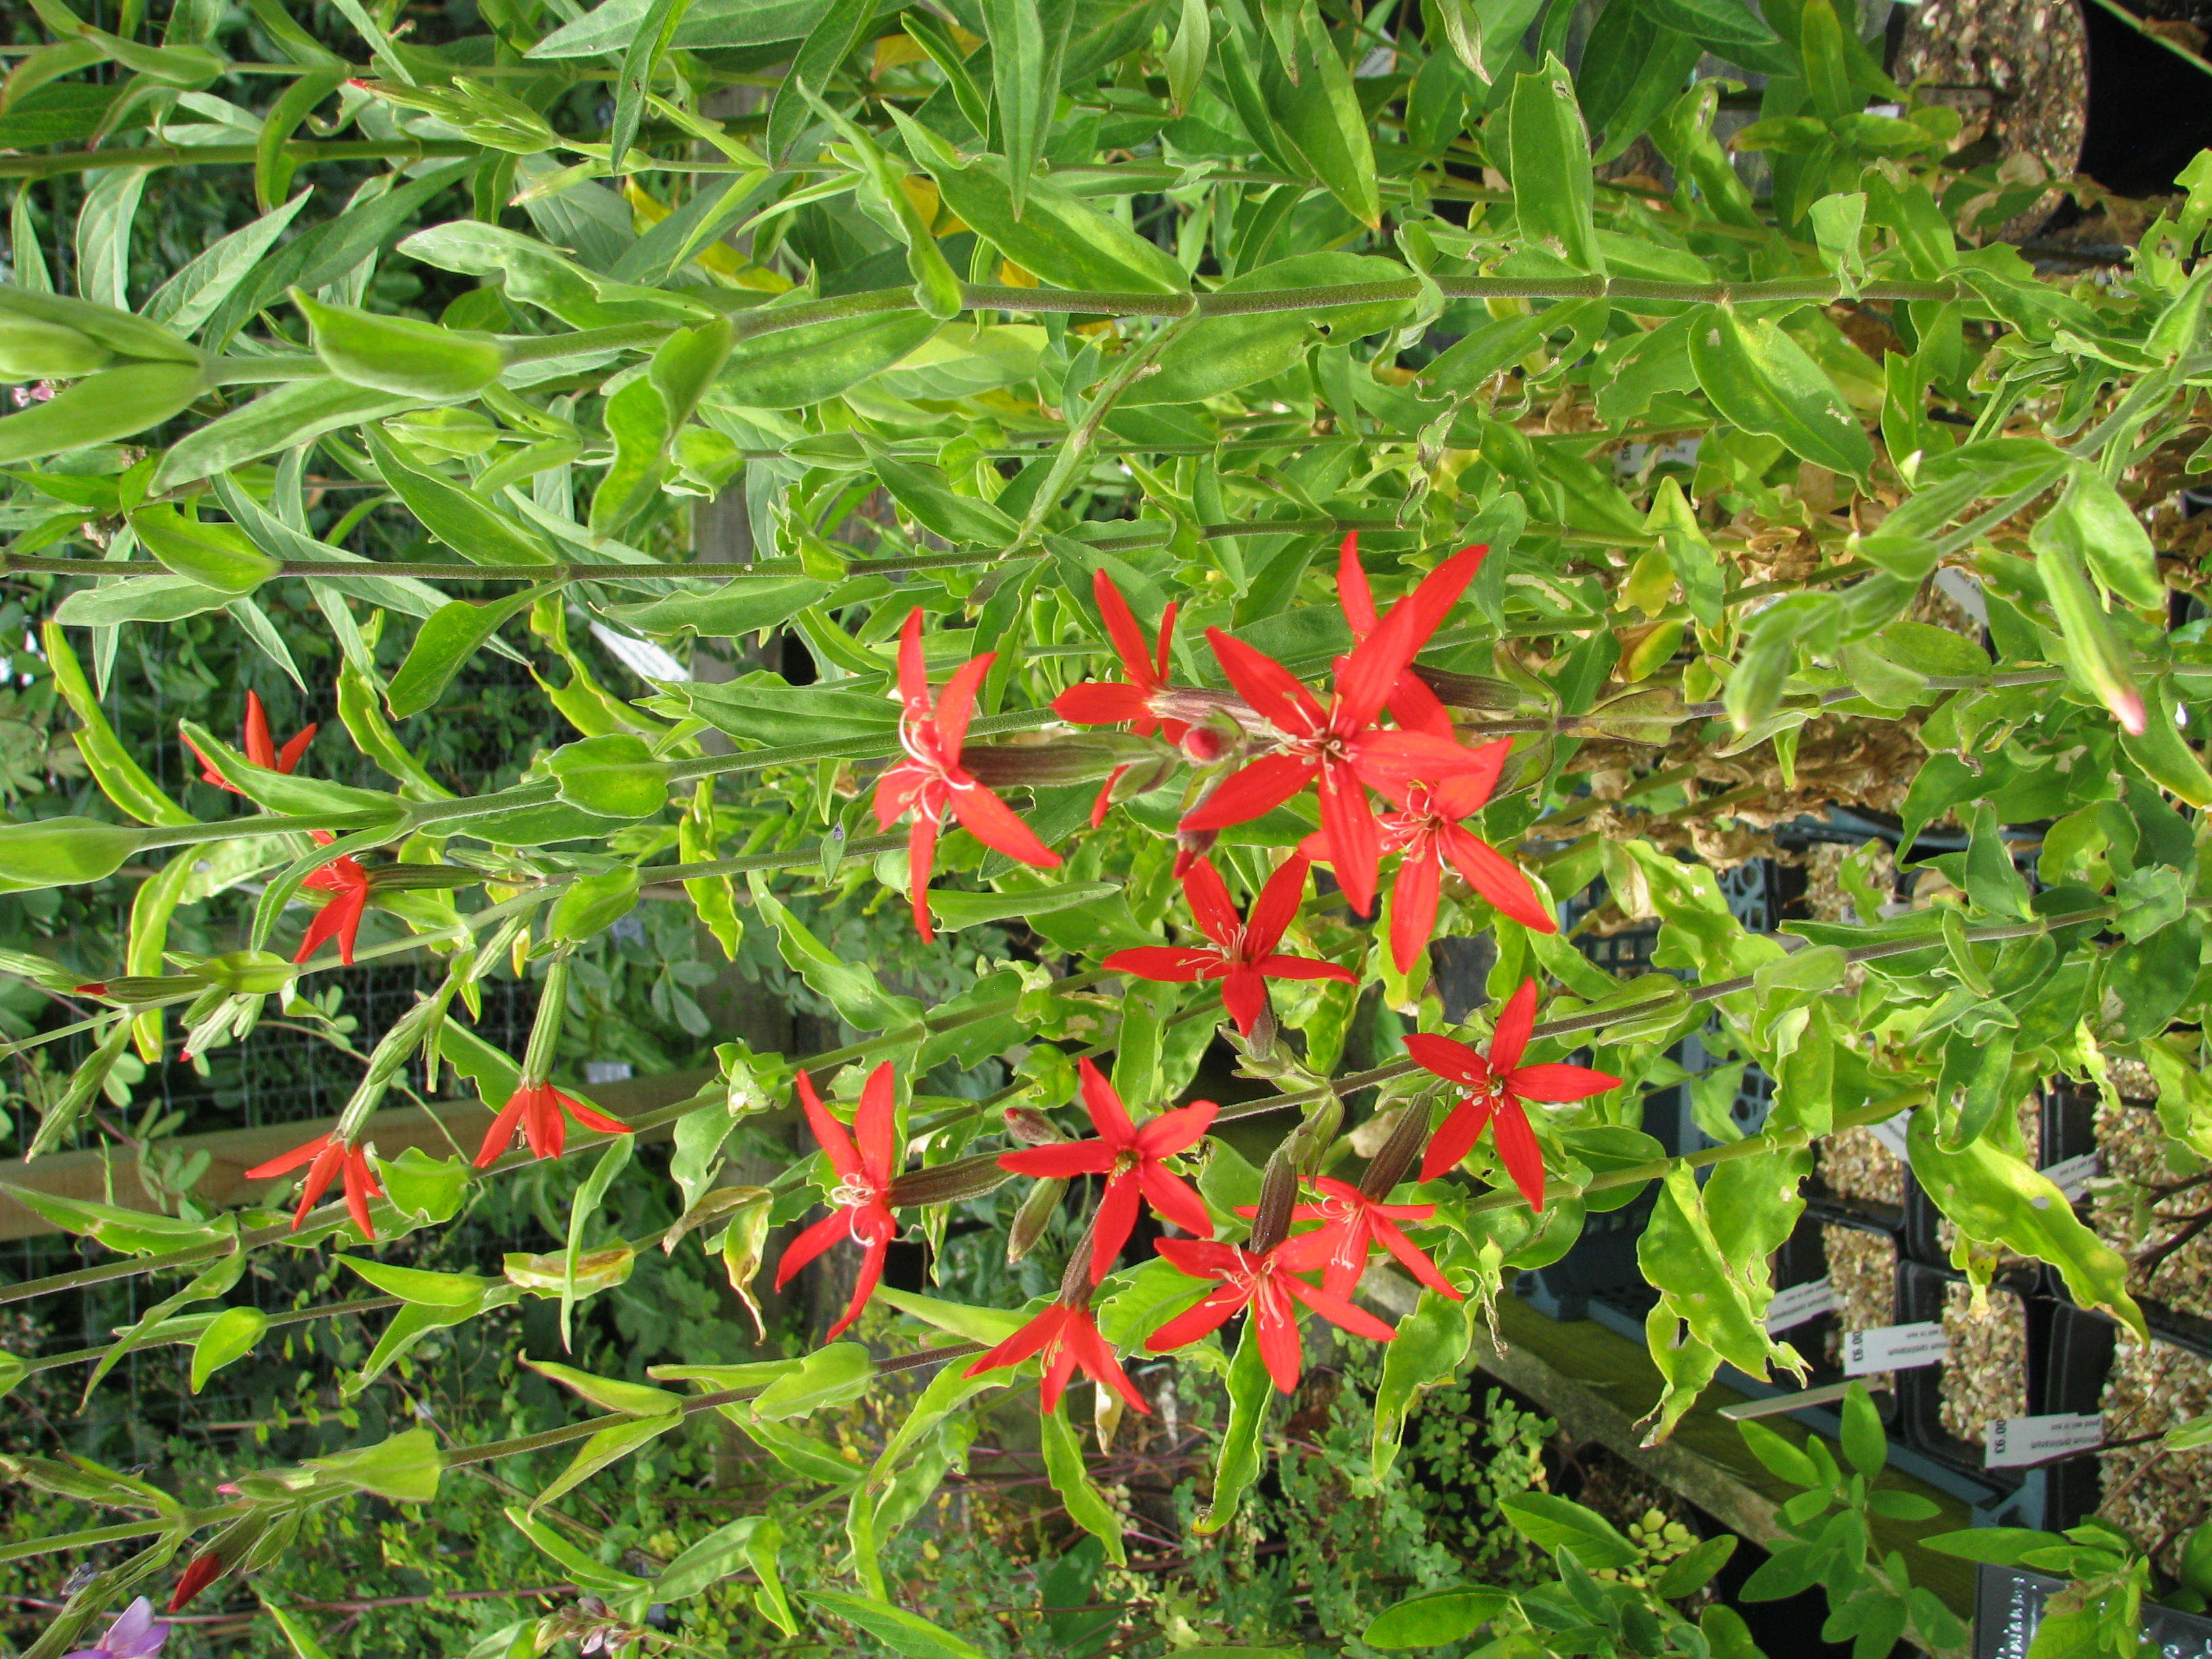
<point x="135" y="1634"/>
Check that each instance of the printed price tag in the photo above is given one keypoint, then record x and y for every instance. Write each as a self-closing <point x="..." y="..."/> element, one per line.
<point x="1891" y="1132"/>
<point x="2072" y="1175"/>
<point x="1799" y="1305"/>
<point x="2016" y="1442"/>
<point x="1893" y="1348"/>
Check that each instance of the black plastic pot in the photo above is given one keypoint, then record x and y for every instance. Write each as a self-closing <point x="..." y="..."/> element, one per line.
<point x="2149" y="110"/>
<point x="1920" y="1298"/>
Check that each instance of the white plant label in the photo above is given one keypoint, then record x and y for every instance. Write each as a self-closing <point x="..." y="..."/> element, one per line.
<point x="1893" y="1348"/>
<point x="2072" y="1175"/>
<point x="1891" y="1132"/>
<point x="1798" y="1305"/>
<point x="2016" y="1442"/>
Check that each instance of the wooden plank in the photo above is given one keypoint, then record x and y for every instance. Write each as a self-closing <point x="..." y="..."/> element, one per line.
<point x="112" y="1177"/>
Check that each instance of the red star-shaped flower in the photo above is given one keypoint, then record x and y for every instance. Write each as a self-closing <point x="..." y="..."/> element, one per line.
<point x="931" y="781"/>
<point x="1243" y="958"/>
<point x="866" y="1160"/>
<point x="1067" y="1336"/>
<point x="1115" y="703"/>
<point x="260" y="747"/>
<point x="1499" y="1086"/>
<point x="1132" y="1161"/>
<point x="1270" y="1286"/>
<point x="345" y="880"/>
<point x="1427" y="831"/>
<point x="535" y="1109"/>
<point x="1339" y="747"/>
<point x="326" y="1157"/>
<point x="1413" y="704"/>
<point x="1352" y="1224"/>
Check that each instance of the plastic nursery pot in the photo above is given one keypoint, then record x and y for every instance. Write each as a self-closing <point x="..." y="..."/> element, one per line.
<point x="2074" y="1358"/>
<point x="2149" y="110"/>
<point x="1986" y="1375"/>
<point x="1860" y="1265"/>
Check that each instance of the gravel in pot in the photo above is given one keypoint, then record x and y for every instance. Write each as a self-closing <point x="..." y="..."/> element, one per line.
<point x="2156" y="1497"/>
<point x="1863" y="1275"/>
<point x="1984" y="1374"/>
<point x="1853" y="1164"/>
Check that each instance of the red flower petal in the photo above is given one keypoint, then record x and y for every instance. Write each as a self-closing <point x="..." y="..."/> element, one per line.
<point x="1453" y="1061"/>
<point x="1097" y="1359"/>
<point x="1102" y="702"/>
<point x="1366" y="679"/>
<point x="994" y="823"/>
<point x="1171" y="1132"/>
<point x="1254" y="790"/>
<point x="1211" y="905"/>
<point x="1275" y="908"/>
<point x="1121" y="628"/>
<point x="1167" y="964"/>
<point x="875" y="1126"/>
<point x="500" y="1135"/>
<point x="1345" y="1314"/>
<point x="832" y="1229"/>
<point x="955" y="704"/>
<point x="920" y="853"/>
<point x="1107" y="1115"/>
<point x="872" y="1274"/>
<point x="1454" y="1137"/>
<point x="1491" y="874"/>
<point x="1413" y="906"/>
<point x="1032" y="1338"/>
<point x="591" y="1117"/>
<point x="1274" y="691"/>
<point x="1356" y="599"/>
<point x="1415" y="1261"/>
<point x="287" y="757"/>
<point x="1518" y="1151"/>
<point x="1462" y="796"/>
<point x="1186" y="1327"/>
<point x="1304" y="968"/>
<point x="834" y="1140"/>
<point x="1116" y="1220"/>
<point x="913" y="669"/>
<point x="1511" y="1040"/>
<point x="1354" y="837"/>
<point x="1174" y="1200"/>
<point x="1063" y="1161"/>
<point x="259" y="748"/>
<point x="1244" y="996"/>
<point x="1558" y="1083"/>
<point x="1276" y="1329"/>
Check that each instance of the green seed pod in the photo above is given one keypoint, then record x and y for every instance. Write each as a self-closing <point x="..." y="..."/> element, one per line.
<point x="1034" y="1215"/>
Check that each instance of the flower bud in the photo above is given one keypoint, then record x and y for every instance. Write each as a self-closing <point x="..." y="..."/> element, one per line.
<point x="34" y="349"/>
<point x="1056" y="762"/>
<point x="249" y="973"/>
<point x="948" y="1184"/>
<point x="1034" y="1217"/>
<point x="1032" y="1127"/>
<point x="1279" y="1193"/>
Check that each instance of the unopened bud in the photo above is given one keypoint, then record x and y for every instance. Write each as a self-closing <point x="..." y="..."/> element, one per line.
<point x="1033" y="1217"/>
<point x="1279" y="1193"/>
<point x="948" y="1184"/>
<point x="1054" y="762"/>
<point x="1407" y="1136"/>
<point x="1032" y="1127"/>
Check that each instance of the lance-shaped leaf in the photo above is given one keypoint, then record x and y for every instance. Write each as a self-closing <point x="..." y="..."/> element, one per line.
<point x="216" y="556"/>
<point x="399" y="355"/>
<point x="827" y="1376"/>
<point x="902" y="1632"/>
<point x="1547" y="160"/>
<point x="1762" y="380"/>
<point x="1317" y="108"/>
<point x="1087" y="1506"/>
<point x="471" y="526"/>
<point x="64" y="851"/>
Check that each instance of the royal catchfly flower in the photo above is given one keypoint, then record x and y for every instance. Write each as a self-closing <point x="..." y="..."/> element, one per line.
<point x="1269" y="1284"/>
<point x="1339" y="747"/>
<point x="1427" y="832"/>
<point x="260" y="747"/>
<point x="931" y="781"/>
<point x="1500" y="1088"/>
<point x="1129" y="700"/>
<point x="535" y="1108"/>
<point x="1353" y="1223"/>
<point x="1411" y="704"/>
<point x="1067" y="1335"/>
<point x="1243" y="958"/>
<point x="866" y="1160"/>
<point x="1131" y="1160"/>
<point x="345" y="879"/>
<point x="134" y="1633"/>
<point x="326" y="1156"/>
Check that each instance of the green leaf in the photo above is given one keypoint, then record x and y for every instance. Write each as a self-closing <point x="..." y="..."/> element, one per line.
<point x="1782" y="1459"/>
<point x="406" y="1468"/>
<point x="216" y="555"/>
<point x="451" y="635"/>
<point x="2159" y="750"/>
<point x="1435" y="1617"/>
<point x="419" y="1286"/>
<point x="115" y="403"/>
<point x="1864" y="1444"/>
<point x="895" y="1627"/>
<point x="591" y="905"/>
<point x="1220" y="353"/>
<point x="1691" y="1570"/>
<point x="639" y="64"/>
<point x="398" y="355"/>
<point x="1236" y="1465"/>
<point x="2002" y="1546"/>
<point x="850" y="988"/>
<point x="231" y="1335"/>
<point x="609" y="1445"/>
<point x="1762" y="380"/>
<point x="1319" y="113"/>
<point x="989" y="1325"/>
<point x="66" y="852"/>
<point x="587" y="1571"/>
<point x="1553" y="1523"/>
<point x="1058" y="238"/>
<point x="615" y="776"/>
<point x="746" y="604"/>
<point x="721" y="1552"/>
<point x="1430" y="1348"/>
<point x="797" y="368"/>
<point x="1028" y="39"/>
<point x="1547" y="160"/>
<point x="610" y="1394"/>
<point x="189" y="298"/>
<point x="139" y="599"/>
<point x="293" y="414"/>
<point x="955" y="910"/>
<point x="471" y="526"/>
<point x="1086" y="1505"/>
<point x="1997" y="1199"/>
<point x="827" y="1376"/>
